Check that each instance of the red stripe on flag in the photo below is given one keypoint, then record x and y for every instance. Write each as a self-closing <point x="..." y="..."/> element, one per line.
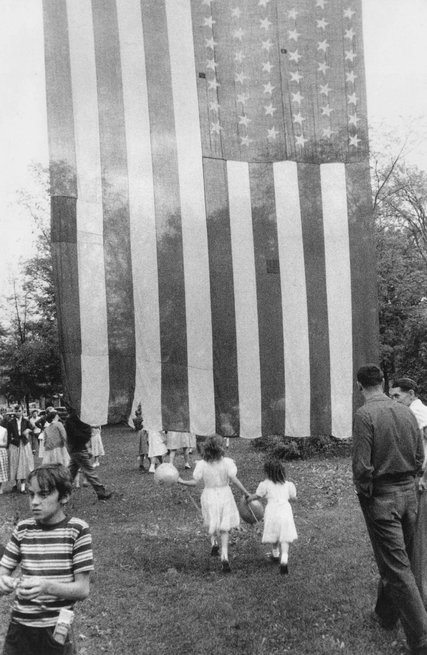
<point x="364" y="291"/>
<point x="314" y="258"/>
<point x="222" y="298"/>
<point x="175" y="406"/>
<point x="118" y="270"/>
<point x="63" y="195"/>
<point x="269" y="298"/>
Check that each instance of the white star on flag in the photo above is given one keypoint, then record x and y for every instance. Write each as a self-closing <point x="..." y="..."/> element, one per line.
<point x="267" y="67"/>
<point x="292" y="13"/>
<point x="240" y="77"/>
<point x="299" y="118"/>
<point x="267" y="45"/>
<point x="263" y="3"/>
<point x="216" y="127"/>
<point x="300" y="140"/>
<point x="244" y="120"/>
<point x="350" y="77"/>
<point x="354" y="141"/>
<point x="293" y="35"/>
<point x="265" y="24"/>
<point x="272" y="133"/>
<point x="325" y="89"/>
<point x="207" y="2"/>
<point x="269" y="109"/>
<point x="238" y="34"/>
<point x="323" y="67"/>
<point x="245" y="140"/>
<point x="242" y="98"/>
<point x="210" y="43"/>
<point x="236" y="12"/>
<point x="211" y="64"/>
<point x="209" y="21"/>
<point x="350" y="55"/>
<point x="322" y="45"/>
<point x="297" y="97"/>
<point x="349" y="13"/>
<point x="239" y="56"/>
<point x="321" y="3"/>
<point x="213" y="84"/>
<point x="214" y="106"/>
<point x="349" y="34"/>
<point x="326" y="110"/>
<point x="321" y="24"/>
<point x="296" y="76"/>
<point x="327" y="132"/>
<point x="353" y="119"/>
<point x="268" y="88"/>
<point x="352" y="99"/>
<point x="294" y="56"/>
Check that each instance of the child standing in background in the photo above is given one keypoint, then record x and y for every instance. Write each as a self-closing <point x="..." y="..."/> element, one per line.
<point x="4" y="457"/>
<point x="279" y="526"/>
<point x="96" y="445"/>
<point x="219" y="508"/>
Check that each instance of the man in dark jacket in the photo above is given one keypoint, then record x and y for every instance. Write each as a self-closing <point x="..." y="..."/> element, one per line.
<point x="387" y="457"/>
<point x="78" y="437"/>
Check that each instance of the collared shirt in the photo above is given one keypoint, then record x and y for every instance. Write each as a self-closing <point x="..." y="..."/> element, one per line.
<point x="386" y="442"/>
<point x="419" y="410"/>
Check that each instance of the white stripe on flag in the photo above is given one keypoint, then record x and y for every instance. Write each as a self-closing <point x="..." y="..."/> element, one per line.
<point x="247" y="334"/>
<point x="338" y="289"/>
<point x="90" y="253"/>
<point x="142" y="215"/>
<point x="193" y="217"/>
<point x="294" y="299"/>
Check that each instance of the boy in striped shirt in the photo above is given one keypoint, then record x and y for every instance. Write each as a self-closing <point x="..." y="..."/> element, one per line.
<point x="55" y="556"/>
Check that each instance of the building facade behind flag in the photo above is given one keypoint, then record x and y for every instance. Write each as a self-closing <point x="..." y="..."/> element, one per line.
<point x="211" y="212"/>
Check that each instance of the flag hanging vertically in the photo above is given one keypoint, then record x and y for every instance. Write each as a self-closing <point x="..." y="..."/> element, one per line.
<point x="211" y="211"/>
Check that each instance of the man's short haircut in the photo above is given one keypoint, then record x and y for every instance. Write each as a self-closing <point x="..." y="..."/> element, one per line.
<point x="51" y="477"/>
<point x="406" y="384"/>
<point x="370" y="375"/>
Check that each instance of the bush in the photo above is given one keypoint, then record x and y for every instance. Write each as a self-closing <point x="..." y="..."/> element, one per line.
<point x="289" y="448"/>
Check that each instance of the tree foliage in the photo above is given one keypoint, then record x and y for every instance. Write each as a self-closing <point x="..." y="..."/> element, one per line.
<point x="400" y="213"/>
<point x="29" y="356"/>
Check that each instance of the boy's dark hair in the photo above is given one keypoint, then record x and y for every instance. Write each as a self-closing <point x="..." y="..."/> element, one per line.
<point x="51" y="477"/>
<point x="275" y="470"/>
<point x="213" y="448"/>
<point x="406" y="384"/>
<point x="370" y="375"/>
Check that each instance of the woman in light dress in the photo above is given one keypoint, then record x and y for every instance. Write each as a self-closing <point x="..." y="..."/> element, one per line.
<point x="55" y="441"/>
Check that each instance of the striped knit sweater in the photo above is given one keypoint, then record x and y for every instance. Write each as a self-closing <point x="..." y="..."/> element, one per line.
<point x="58" y="552"/>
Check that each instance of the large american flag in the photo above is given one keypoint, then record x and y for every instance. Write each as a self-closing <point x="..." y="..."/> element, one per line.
<point x="211" y="211"/>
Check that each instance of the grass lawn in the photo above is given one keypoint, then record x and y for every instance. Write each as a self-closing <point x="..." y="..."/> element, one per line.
<point x="157" y="591"/>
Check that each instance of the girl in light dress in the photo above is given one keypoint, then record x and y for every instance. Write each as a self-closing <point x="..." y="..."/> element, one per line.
<point x="279" y="526"/>
<point x="96" y="445"/>
<point x="156" y="448"/>
<point x="54" y="441"/>
<point x="4" y="457"/>
<point x="219" y="508"/>
<point x="177" y="440"/>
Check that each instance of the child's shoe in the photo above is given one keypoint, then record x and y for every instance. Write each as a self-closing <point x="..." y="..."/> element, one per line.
<point x="225" y="566"/>
<point x="152" y="468"/>
<point x="215" y="550"/>
<point x="284" y="569"/>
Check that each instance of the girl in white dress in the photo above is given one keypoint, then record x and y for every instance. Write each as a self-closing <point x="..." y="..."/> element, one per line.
<point x="96" y="445"/>
<point x="279" y="526"/>
<point x="219" y="508"/>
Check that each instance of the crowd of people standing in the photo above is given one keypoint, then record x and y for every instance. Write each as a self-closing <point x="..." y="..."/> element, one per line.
<point x="44" y="439"/>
